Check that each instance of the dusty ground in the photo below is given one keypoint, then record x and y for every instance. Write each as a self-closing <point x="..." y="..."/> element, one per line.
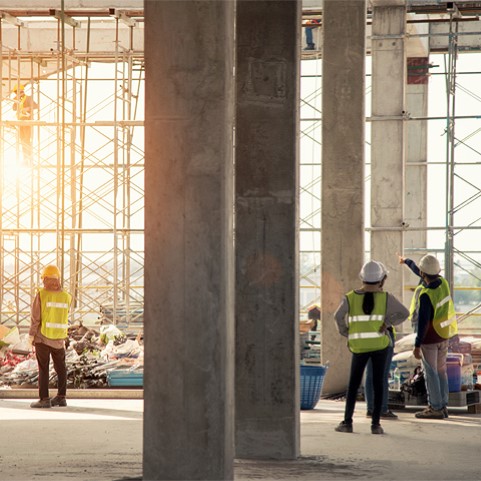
<point x="101" y="440"/>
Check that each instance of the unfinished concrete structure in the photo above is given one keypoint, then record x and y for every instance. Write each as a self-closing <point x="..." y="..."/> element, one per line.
<point x="192" y="297"/>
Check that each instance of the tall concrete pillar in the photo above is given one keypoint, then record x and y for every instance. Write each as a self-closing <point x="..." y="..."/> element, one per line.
<point x="267" y="123"/>
<point x="416" y="161"/>
<point x="388" y="136"/>
<point x="189" y="259"/>
<point x="343" y="118"/>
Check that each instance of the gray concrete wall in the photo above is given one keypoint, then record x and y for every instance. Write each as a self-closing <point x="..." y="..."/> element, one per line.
<point x="342" y="173"/>
<point x="267" y="124"/>
<point x="388" y="137"/>
<point x="189" y="263"/>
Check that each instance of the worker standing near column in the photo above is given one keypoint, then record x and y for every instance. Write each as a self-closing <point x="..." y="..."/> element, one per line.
<point x="48" y="333"/>
<point x="432" y="311"/>
<point x="363" y="316"/>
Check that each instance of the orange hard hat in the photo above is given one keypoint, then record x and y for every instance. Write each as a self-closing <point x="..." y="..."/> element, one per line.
<point x="51" y="271"/>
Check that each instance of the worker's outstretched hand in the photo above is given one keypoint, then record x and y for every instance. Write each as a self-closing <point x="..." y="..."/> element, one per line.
<point x="401" y="259"/>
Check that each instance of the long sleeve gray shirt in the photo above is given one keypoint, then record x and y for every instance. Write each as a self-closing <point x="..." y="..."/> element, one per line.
<point x="396" y="312"/>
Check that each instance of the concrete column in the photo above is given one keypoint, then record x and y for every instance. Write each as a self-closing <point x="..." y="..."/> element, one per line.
<point x="267" y="123"/>
<point x="388" y="136"/>
<point x="343" y="119"/>
<point x="415" y="241"/>
<point x="416" y="161"/>
<point x="189" y="259"/>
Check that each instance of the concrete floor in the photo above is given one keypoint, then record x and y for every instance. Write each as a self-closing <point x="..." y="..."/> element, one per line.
<point x="101" y="439"/>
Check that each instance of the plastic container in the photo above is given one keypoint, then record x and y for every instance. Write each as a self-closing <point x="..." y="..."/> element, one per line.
<point x="312" y="379"/>
<point x="125" y="378"/>
<point x="454" y="362"/>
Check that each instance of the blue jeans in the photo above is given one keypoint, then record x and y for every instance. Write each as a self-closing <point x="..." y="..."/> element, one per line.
<point x="368" y="388"/>
<point x="435" y="370"/>
<point x="309" y="39"/>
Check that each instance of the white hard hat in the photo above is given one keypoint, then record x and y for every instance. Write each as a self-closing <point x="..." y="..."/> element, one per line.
<point x="386" y="272"/>
<point x="429" y="264"/>
<point x="372" y="271"/>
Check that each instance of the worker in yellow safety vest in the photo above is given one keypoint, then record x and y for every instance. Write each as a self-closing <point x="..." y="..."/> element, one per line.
<point x="434" y="318"/>
<point x="24" y="105"/>
<point x="48" y="333"/>
<point x="363" y="316"/>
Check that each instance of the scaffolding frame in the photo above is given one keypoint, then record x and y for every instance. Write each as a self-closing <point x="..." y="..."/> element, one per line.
<point x="79" y="201"/>
<point x="310" y="288"/>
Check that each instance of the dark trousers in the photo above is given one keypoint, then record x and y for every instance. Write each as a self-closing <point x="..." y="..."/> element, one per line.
<point x="358" y="364"/>
<point x="43" y="353"/>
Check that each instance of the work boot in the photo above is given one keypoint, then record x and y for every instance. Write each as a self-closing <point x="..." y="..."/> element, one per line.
<point x="42" y="403"/>
<point x="430" y="413"/>
<point x="368" y="414"/>
<point x="310" y="46"/>
<point x="389" y="415"/>
<point x="343" y="427"/>
<point x="445" y="412"/>
<point x="377" y="429"/>
<point x="59" y="401"/>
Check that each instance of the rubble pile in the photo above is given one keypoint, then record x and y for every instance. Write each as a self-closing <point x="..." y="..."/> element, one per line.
<point x="90" y="356"/>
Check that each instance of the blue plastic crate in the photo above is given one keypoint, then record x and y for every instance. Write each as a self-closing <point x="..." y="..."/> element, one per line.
<point x="125" y="378"/>
<point x="312" y="379"/>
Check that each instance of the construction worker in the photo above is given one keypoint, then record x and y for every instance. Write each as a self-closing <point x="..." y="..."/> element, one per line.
<point x="310" y="25"/>
<point x="433" y="314"/>
<point x="363" y="316"/>
<point x="48" y="333"/>
<point x="24" y="105"/>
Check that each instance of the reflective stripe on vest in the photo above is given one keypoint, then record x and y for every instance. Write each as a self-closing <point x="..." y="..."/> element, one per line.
<point x="55" y="306"/>
<point x="364" y="335"/>
<point x="444" y="319"/>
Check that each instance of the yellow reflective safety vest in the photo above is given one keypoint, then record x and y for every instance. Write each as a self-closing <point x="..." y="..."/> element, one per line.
<point x="363" y="329"/>
<point x="414" y="308"/>
<point x="23" y="112"/>
<point x="55" y="307"/>
<point x="444" y="322"/>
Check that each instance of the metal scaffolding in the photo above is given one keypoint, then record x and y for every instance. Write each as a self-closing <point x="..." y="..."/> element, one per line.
<point x="460" y="195"/>
<point x="78" y="199"/>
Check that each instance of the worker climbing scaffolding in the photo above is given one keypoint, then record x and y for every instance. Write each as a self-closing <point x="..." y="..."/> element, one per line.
<point x="24" y="105"/>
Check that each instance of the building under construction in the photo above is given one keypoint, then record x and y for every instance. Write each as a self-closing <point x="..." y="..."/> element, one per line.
<point x="221" y="317"/>
<point x="77" y="199"/>
<point x="74" y="196"/>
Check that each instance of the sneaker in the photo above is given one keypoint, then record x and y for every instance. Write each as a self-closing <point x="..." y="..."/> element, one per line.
<point x="343" y="427"/>
<point x="430" y="413"/>
<point x="389" y="415"/>
<point x="42" y="403"/>
<point x="445" y="412"/>
<point x="377" y="429"/>
<point x="59" y="401"/>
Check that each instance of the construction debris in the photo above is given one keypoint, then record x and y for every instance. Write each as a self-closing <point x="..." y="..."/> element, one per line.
<point x="90" y="356"/>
